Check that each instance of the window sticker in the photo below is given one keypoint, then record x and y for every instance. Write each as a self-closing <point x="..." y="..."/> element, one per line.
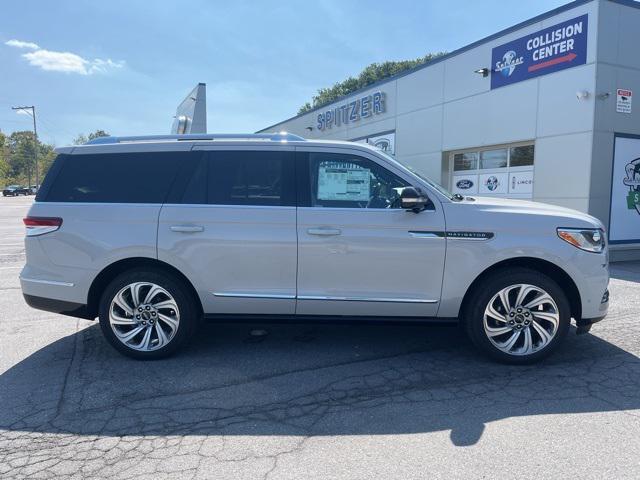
<point x="343" y="181"/>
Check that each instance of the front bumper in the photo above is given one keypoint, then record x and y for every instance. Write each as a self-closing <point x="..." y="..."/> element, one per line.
<point x="585" y="324"/>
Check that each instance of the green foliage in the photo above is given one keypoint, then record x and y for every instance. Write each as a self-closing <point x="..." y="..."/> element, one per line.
<point x="4" y="156"/>
<point x="17" y="159"/>
<point x="17" y="156"/>
<point x="81" y="139"/>
<point x="371" y="74"/>
<point x="97" y="134"/>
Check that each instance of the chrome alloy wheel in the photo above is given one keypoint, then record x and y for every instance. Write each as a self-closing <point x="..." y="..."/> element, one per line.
<point x="144" y="316"/>
<point x="521" y="319"/>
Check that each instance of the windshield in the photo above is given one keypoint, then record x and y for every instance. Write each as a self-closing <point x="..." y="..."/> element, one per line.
<point x="427" y="180"/>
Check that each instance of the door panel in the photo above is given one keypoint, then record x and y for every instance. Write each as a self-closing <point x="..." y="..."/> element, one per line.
<point x="241" y="258"/>
<point x="358" y="254"/>
<point x="234" y="235"/>
<point x="373" y="267"/>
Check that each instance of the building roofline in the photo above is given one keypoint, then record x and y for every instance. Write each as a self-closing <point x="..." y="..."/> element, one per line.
<point x="477" y="43"/>
<point x="627" y="3"/>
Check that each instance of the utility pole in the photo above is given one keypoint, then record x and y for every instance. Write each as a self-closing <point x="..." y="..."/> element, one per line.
<point x="35" y="140"/>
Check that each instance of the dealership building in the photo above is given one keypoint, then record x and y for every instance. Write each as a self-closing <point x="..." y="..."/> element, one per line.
<point x="543" y="110"/>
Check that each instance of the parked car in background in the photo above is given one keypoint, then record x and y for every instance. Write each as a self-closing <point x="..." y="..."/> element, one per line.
<point x="15" y="190"/>
<point x="276" y="226"/>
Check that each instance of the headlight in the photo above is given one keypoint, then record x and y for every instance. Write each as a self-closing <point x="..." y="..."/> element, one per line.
<point x="589" y="239"/>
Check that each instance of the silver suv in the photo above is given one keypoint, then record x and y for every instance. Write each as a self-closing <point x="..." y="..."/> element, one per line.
<point x="154" y="234"/>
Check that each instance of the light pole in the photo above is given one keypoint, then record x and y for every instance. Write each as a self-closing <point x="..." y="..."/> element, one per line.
<point x="35" y="138"/>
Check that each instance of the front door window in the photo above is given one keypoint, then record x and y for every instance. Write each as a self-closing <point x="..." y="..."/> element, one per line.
<point x="349" y="181"/>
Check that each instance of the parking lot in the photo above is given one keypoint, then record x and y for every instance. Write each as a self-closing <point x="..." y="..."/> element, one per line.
<point x="311" y="401"/>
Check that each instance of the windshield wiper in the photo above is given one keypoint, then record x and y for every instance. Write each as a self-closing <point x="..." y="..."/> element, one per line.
<point x="457" y="196"/>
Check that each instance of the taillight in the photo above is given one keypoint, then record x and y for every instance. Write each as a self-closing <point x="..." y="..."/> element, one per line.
<point x="41" y="225"/>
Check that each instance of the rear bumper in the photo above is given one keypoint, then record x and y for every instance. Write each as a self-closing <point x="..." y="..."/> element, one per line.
<point x="57" y="306"/>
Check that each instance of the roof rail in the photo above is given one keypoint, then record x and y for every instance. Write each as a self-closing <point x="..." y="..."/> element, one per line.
<point x="273" y="137"/>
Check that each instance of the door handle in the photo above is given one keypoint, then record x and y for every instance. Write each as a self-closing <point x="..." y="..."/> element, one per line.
<point x="187" y="228"/>
<point x="324" y="231"/>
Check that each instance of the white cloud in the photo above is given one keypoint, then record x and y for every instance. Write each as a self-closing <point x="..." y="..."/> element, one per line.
<point x="57" y="61"/>
<point x="98" y="65"/>
<point x="21" y="44"/>
<point x="66" y="62"/>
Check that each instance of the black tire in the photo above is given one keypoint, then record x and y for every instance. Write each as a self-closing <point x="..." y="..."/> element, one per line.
<point x="474" y="315"/>
<point x="188" y="309"/>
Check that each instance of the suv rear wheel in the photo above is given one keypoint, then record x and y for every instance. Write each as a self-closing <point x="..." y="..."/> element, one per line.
<point x="147" y="314"/>
<point x="518" y="316"/>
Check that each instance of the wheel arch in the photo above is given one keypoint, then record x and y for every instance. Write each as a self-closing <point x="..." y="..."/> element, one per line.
<point x="560" y="276"/>
<point x="114" y="269"/>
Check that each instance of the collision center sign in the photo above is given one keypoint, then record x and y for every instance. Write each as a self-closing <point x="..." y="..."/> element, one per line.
<point x="546" y="51"/>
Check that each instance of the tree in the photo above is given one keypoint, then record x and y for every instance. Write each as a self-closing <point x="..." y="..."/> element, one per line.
<point x="17" y="159"/>
<point x="371" y="74"/>
<point x="4" y="156"/>
<point x="97" y="134"/>
<point x="81" y="139"/>
<point x="21" y="155"/>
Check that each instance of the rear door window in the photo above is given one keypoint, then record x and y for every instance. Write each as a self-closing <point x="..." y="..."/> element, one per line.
<point x="259" y="178"/>
<point x="144" y="177"/>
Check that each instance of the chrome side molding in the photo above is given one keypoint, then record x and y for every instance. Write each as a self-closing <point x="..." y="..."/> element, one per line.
<point x="254" y="295"/>
<point x="421" y="234"/>
<point x="452" y="235"/>
<point x="47" y="282"/>
<point x="366" y="299"/>
<point x="321" y="297"/>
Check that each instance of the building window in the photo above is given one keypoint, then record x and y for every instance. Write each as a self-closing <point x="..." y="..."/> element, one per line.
<point x="493" y="159"/>
<point x="495" y="171"/>
<point x="465" y="161"/>
<point x="521" y="156"/>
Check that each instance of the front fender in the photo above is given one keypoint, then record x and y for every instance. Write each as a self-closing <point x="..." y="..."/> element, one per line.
<point x="468" y="259"/>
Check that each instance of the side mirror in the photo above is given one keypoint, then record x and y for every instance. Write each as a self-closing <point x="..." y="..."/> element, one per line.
<point x="412" y="199"/>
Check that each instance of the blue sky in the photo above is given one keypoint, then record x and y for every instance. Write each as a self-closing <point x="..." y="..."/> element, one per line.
<point x="123" y="66"/>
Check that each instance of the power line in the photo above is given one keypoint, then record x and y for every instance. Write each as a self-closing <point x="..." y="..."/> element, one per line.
<point x="60" y="130"/>
<point x="44" y="125"/>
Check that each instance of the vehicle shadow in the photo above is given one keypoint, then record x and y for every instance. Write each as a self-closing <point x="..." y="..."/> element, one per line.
<point x="308" y="380"/>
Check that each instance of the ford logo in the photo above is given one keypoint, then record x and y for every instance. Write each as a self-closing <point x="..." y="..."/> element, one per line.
<point x="464" y="184"/>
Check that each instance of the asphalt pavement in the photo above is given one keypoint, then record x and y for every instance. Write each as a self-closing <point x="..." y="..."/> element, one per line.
<point x="311" y="401"/>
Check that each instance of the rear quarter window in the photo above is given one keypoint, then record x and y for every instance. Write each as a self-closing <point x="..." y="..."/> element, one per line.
<point x="114" y="177"/>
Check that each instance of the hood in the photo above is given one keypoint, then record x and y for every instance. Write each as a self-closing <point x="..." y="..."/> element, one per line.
<point x="565" y="217"/>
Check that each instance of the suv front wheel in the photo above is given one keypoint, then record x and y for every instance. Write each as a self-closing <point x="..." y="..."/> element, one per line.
<point x="518" y="316"/>
<point x="147" y="314"/>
